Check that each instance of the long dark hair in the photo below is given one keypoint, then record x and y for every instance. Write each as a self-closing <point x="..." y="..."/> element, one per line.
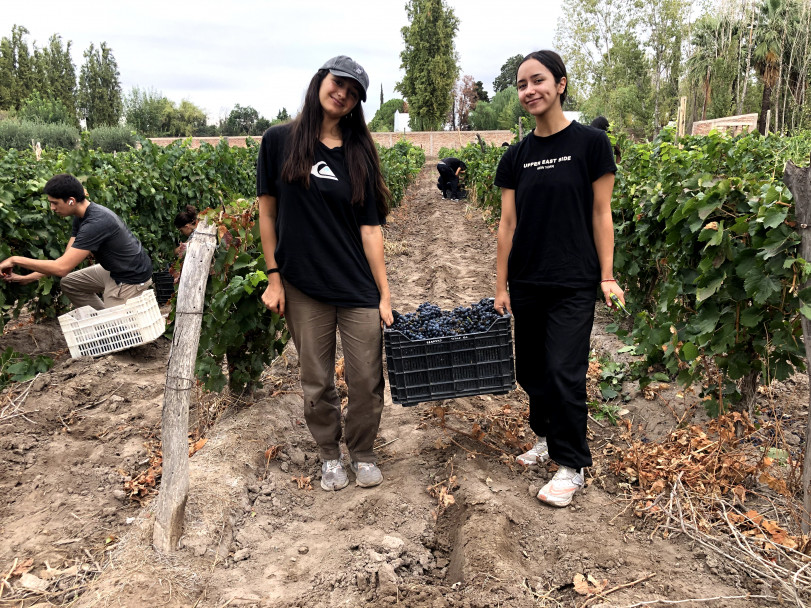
<point x="552" y="61"/>
<point x="187" y="216"/>
<point x="359" y="148"/>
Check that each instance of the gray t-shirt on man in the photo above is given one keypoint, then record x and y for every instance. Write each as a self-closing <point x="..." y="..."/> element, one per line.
<point x="115" y="248"/>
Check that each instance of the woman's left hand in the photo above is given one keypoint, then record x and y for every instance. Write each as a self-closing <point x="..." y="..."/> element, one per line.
<point x="386" y="316"/>
<point x="610" y="287"/>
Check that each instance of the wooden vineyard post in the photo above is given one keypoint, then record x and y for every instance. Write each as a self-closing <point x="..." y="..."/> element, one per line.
<point x="682" y="118"/>
<point x="180" y="381"/>
<point x="799" y="182"/>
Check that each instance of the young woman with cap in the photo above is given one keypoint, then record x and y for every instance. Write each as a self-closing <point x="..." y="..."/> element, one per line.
<point x="555" y="247"/>
<point x="322" y="200"/>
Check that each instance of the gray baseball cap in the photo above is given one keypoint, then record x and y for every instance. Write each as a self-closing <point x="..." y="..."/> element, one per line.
<point x="349" y="68"/>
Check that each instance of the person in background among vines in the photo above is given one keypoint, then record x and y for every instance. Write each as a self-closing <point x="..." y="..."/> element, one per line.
<point x="450" y="170"/>
<point x="555" y="246"/>
<point x="601" y="122"/>
<point x="123" y="269"/>
<point x="322" y="200"/>
<point x="186" y="222"/>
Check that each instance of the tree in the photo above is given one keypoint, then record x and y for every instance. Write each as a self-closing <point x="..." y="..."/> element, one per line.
<point x="621" y="90"/>
<point x="585" y="35"/>
<point x="17" y="75"/>
<point x="430" y="62"/>
<point x="483" y="118"/>
<point x="507" y="76"/>
<point x="702" y="59"/>
<point x="381" y="93"/>
<point x="261" y="125"/>
<point x="25" y="76"/>
<point x="99" y="97"/>
<point x="768" y="53"/>
<point x="466" y="100"/>
<point x="188" y="120"/>
<point x="148" y="112"/>
<point x="383" y="119"/>
<point x="241" y="121"/>
<point x="664" y="22"/>
<point x="6" y="74"/>
<point x="481" y="93"/>
<point x="282" y="116"/>
<point x="45" y="110"/>
<point x="502" y="112"/>
<point x="59" y="75"/>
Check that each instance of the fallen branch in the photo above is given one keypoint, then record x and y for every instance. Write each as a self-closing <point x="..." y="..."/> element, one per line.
<point x="703" y="599"/>
<point x="740" y="552"/>
<point x="602" y="594"/>
<point x="468" y="435"/>
<point x="18" y="401"/>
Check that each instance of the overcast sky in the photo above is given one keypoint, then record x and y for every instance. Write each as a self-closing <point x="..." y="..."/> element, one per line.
<point x="263" y="53"/>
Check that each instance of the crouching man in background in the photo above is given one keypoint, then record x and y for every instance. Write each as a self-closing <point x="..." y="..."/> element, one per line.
<point x="450" y="170"/>
<point x="123" y="268"/>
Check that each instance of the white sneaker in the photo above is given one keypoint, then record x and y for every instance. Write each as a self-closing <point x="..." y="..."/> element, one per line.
<point x="537" y="455"/>
<point x="559" y="491"/>
<point x="333" y="476"/>
<point x="367" y="475"/>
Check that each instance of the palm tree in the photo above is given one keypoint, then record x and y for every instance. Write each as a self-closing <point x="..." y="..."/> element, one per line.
<point x="769" y="51"/>
<point x="701" y="61"/>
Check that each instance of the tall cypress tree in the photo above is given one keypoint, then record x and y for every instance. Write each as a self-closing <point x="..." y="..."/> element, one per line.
<point x="59" y="74"/>
<point x="99" y="96"/>
<point x="24" y="68"/>
<point x="6" y="74"/>
<point x="430" y="63"/>
<point x="17" y="75"/>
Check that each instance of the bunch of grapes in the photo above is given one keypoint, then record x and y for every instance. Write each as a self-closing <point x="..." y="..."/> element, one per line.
<point x="430" y="321"/>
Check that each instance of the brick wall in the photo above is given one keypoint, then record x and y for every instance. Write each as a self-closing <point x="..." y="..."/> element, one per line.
<point x="429" y="141"/>
<point x="731" y="125"/>
<point x="432" y="141"/>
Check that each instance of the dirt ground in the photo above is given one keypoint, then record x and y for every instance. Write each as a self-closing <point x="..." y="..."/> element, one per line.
<point x="455" y="523"/>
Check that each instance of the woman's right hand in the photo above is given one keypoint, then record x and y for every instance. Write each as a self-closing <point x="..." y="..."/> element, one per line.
<point x="502" y="302"/>
<point x="273" y="297"/>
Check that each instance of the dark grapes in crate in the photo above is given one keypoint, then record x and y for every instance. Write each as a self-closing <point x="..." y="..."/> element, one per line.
<point x="430" y="321"/>
<point x="434" y="354"/>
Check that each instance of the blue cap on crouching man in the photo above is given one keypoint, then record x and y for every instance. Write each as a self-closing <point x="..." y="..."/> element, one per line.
<point x="348" y="68"/>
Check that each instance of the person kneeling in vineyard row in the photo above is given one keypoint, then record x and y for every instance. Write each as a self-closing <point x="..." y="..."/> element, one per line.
<point x="450" y="170"/>
<point x="123" y="271"/>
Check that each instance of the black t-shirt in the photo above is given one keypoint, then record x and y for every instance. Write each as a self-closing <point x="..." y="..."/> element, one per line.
<point x="454" y="163"/>
<point x="104" y="234"/>
<point x="319" y="247"/>
<point x="552" y="176"/>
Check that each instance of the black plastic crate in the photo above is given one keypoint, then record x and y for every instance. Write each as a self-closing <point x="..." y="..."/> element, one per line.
<point x="453" y="366"/>
<point x="164" y="284"/>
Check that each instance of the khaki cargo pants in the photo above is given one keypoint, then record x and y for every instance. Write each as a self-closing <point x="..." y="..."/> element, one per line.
<point x="312" y="325"/>
<point x="83" y="286"/>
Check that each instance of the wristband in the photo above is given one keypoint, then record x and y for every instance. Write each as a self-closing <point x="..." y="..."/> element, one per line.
<point x="271" y="270"/>
<point x="608" y="281"/>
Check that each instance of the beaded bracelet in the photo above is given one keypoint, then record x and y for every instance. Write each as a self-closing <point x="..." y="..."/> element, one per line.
<point x="608" y="281"/>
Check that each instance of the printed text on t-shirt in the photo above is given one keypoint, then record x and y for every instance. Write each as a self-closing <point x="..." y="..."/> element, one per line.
<point x="547" y="163"/>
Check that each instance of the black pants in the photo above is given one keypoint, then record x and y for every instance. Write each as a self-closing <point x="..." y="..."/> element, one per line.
<point x="552" y="331"/>
<point x="448" y="181"/>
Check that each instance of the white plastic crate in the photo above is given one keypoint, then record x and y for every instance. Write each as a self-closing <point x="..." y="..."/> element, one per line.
<point x="90" y="332"/>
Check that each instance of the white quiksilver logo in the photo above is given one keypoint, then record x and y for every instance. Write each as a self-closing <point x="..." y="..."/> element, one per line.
<point x="321" y="169"/>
